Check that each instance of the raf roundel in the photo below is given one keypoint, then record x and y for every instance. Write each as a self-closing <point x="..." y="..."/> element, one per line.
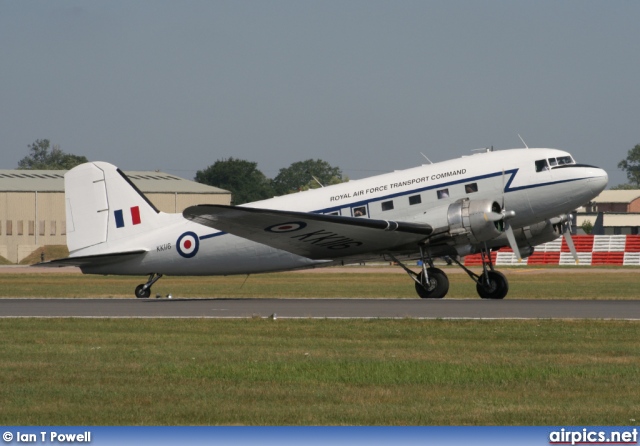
<point x="286" y="227"/>
<point x="188" y="244"/>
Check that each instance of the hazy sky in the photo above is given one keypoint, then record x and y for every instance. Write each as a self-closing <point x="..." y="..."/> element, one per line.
<point x="365" y="85"/>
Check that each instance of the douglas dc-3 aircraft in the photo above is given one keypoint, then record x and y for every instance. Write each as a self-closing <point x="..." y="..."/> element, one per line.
<point x="517" y="197"/>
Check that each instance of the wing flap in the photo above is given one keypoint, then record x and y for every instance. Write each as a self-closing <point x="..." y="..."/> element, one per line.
<point x="315" y="236"/>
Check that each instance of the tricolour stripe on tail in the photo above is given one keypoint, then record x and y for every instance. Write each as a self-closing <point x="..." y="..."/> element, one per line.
<point x="104" y="208"/>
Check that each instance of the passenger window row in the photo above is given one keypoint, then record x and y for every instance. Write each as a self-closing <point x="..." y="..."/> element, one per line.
<point x="416" y="199"/>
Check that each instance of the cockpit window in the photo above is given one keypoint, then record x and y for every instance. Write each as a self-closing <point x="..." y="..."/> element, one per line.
<point x="562" y="160"/>
<point x="553" y="162"/>
<point x="541" y="165"/>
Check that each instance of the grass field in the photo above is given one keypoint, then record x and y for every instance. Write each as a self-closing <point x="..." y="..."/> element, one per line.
<point x="525" y="283"/>
<point x="265" y="372"/>
<point x="319" y="372"/>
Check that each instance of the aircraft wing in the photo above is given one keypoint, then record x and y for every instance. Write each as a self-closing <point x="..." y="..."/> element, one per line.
<point x="95" y="260"/>
<point x="315" y="236"/>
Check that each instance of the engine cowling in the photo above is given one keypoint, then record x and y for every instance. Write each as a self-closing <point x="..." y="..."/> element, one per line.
<point x="538" y="233"/>
<point x="467" y="218"/>
<point x="527" y="237"/>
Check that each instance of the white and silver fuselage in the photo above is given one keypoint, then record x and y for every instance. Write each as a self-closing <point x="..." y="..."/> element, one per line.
<point x="420" y="195"/>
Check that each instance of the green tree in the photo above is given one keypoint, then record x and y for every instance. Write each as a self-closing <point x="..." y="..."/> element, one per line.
<point x="587" y="226"/>
<point x="300" y="176"/>
<point x="242" y="178"/>
<point x="632" y="165"/>
<point x="625" y="186"/>
<point x="41" y="158"/>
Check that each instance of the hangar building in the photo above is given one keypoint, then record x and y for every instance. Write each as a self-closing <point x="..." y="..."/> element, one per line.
<point x="613" y="212"/>
<point x="32" y="208"/>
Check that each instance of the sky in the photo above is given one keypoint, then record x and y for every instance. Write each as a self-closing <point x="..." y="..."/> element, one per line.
<point x="364" y="85"/>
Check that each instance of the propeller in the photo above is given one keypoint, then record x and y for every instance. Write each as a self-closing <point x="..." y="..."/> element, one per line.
<point x="505" y="216"/>
<point x="564" y="223"/>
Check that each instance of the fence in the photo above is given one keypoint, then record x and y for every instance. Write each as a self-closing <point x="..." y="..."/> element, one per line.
<point x="592" y="250"/>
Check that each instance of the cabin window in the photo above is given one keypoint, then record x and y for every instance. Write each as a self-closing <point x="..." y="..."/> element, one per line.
<point x="541" y="165"/>
<point x="360" y="211"/>
<point x="387" y="205"/>
<point x="415" y="199"/>
<point x="471" y="188"/>
<point x="443" y="193"/>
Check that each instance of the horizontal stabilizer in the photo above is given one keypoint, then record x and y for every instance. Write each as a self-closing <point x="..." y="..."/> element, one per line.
<point x="315" y="236"/>
<point x="94" y="260"/>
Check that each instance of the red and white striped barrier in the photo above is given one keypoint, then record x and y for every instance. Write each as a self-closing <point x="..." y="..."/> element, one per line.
<point x="592" y="250"/>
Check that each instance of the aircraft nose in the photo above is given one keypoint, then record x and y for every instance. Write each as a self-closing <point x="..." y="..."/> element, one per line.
<point x="599" y="181"/>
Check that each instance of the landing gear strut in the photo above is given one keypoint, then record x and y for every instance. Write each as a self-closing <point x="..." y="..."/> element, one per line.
<point x="144" y="290"/>
<point x="491" y="284"/>
<point x="433" y="283"/>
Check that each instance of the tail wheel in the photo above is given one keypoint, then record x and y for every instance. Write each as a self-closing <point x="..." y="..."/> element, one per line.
<point x="438" y="285"/>
<point x="497" y="288"/>
<point x="141" y="292"/>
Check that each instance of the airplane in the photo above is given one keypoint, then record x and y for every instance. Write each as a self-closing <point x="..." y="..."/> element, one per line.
<point x="473" y="204"/>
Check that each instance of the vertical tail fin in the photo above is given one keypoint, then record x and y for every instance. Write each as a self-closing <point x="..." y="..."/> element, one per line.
<point x="104" y="206"/>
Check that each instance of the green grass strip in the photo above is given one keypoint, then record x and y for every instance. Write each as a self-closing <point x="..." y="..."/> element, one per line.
<point x="523" y="284"/>
<point x="300" y="372"/>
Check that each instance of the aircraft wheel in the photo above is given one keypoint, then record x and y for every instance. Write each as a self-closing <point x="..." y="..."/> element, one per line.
<point x="497" y="289"/>
<point x="438" y="286"/>
<point x="141" y="292"/>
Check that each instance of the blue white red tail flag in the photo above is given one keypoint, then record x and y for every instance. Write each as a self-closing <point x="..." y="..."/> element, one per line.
<point x="135" y="217"/>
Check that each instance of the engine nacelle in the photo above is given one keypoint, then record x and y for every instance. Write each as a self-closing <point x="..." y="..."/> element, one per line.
<point x="538" y="233"/>
<point x="526" y="251"/>
<point x="468" y="218"/>
<point x="527" y="237"/>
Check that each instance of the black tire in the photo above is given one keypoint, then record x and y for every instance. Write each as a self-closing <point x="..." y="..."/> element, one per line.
<point x="497" y="289"/>
<point x="141" y="292"/>
<point x="438" y="284"/>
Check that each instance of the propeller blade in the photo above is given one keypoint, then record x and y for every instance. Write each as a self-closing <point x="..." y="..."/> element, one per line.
<point x="503" y="188"/>
<point x="493" y="216"/>
<point x="567" y="236"/>
<point x="512" y="241"/>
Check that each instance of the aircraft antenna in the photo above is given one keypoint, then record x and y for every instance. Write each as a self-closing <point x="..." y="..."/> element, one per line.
<point x="425" y="157"/>
<point x="483" y="149"/>
<point x="315" y="179"/>
<point x="525" y="144"/>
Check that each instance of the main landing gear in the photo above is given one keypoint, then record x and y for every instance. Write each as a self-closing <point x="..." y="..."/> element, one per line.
<point x="144" y="290"/>
<point x="433" y="283"/>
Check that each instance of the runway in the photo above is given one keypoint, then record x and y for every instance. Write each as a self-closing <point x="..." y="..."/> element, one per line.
<point x="322" y="308"/>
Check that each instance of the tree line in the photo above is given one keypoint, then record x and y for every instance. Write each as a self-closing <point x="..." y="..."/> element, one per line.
<point x="247" y="183"/>
<point x="240" y="177"/>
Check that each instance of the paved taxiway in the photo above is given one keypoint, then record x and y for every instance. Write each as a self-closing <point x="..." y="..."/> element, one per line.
<point x="323" y="308"/>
